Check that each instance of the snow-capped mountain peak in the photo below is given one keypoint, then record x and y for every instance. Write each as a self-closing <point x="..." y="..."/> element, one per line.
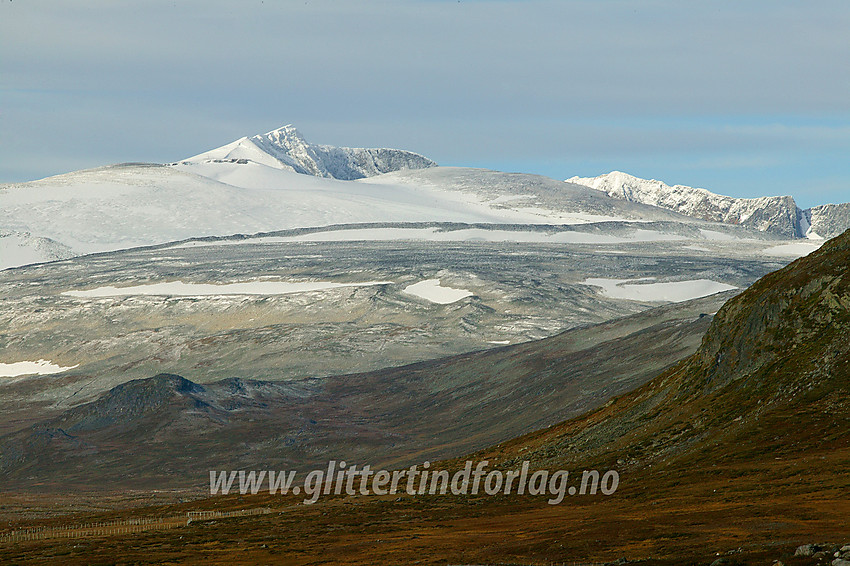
<point x="284" y="141"/>
<point x="285" y="148"/>
<point x="779" y="215"/>
<point x="628" y="187"/>
<point x="285" y="136"/>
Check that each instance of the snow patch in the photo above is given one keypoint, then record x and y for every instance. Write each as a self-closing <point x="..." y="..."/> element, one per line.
<point x="431" y="290"/>
<point x="40" y="367"/>
<point x="22" y="248"/>
<point x="796" y="249"/>
<point x="675" y="291"/>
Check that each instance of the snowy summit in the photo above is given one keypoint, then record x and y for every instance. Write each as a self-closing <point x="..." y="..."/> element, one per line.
<point x="285" y="148"/>
<point x="779" y="215"/>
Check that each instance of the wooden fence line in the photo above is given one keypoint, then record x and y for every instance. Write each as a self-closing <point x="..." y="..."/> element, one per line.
<point x="122" y="526"/>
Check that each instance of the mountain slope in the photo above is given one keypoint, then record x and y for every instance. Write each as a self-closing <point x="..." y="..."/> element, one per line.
<point x="285" y="148"/>
<point x="770" y="378"/>
<point x="278" y="181"/>
<point x="535" y="196"/>
<point x="735" y="456"/>
<point x="828" y="220"/>
<point x="132" y="205"/>
<point x="779" y="215"/>
<point x="168" y="430"/>
<point x="22" y="248"/>
<point x="120" y="207"/>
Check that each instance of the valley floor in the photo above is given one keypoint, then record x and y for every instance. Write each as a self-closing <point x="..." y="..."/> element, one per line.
<point x="751" y="513"/>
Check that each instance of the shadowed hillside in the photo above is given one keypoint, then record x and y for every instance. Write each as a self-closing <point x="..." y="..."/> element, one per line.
<point x="168" y="431"/>
<point x="771" y="377"/>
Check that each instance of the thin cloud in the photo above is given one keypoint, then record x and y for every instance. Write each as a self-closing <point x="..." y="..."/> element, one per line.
<point x="548" y="81"/>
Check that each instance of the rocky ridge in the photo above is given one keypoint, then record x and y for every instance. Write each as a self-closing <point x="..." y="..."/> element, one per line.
<point x="777" y="214"/>
<point x="285" y="148"/>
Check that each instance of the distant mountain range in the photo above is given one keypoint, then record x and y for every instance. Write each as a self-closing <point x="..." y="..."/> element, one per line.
<point x="779" y="215"/>
<point x="278" y="181"/>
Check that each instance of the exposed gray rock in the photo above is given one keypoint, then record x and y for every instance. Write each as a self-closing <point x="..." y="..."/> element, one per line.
<point x="806" y="550"/>
<point x="829" y="220"/>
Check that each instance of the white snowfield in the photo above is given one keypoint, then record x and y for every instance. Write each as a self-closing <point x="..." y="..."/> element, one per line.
<point x="181" y="289"/>
<point x="121" y="207"/>
<point x="794" y="249"/>
<point x="432" y="291"/>
<point x="278" y="181"/>
<point x="22" y="248"/>
<point x="40" y="367"/>
<point x="674" y="291"/>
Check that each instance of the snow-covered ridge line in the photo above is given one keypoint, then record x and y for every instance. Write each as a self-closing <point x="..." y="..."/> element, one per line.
<point x="779" y="215"/>
<point x="285" y="148"/>
<point x="22" y="248"/>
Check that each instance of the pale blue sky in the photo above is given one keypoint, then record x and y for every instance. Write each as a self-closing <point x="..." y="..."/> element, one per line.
<point x="743" y="98"/>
